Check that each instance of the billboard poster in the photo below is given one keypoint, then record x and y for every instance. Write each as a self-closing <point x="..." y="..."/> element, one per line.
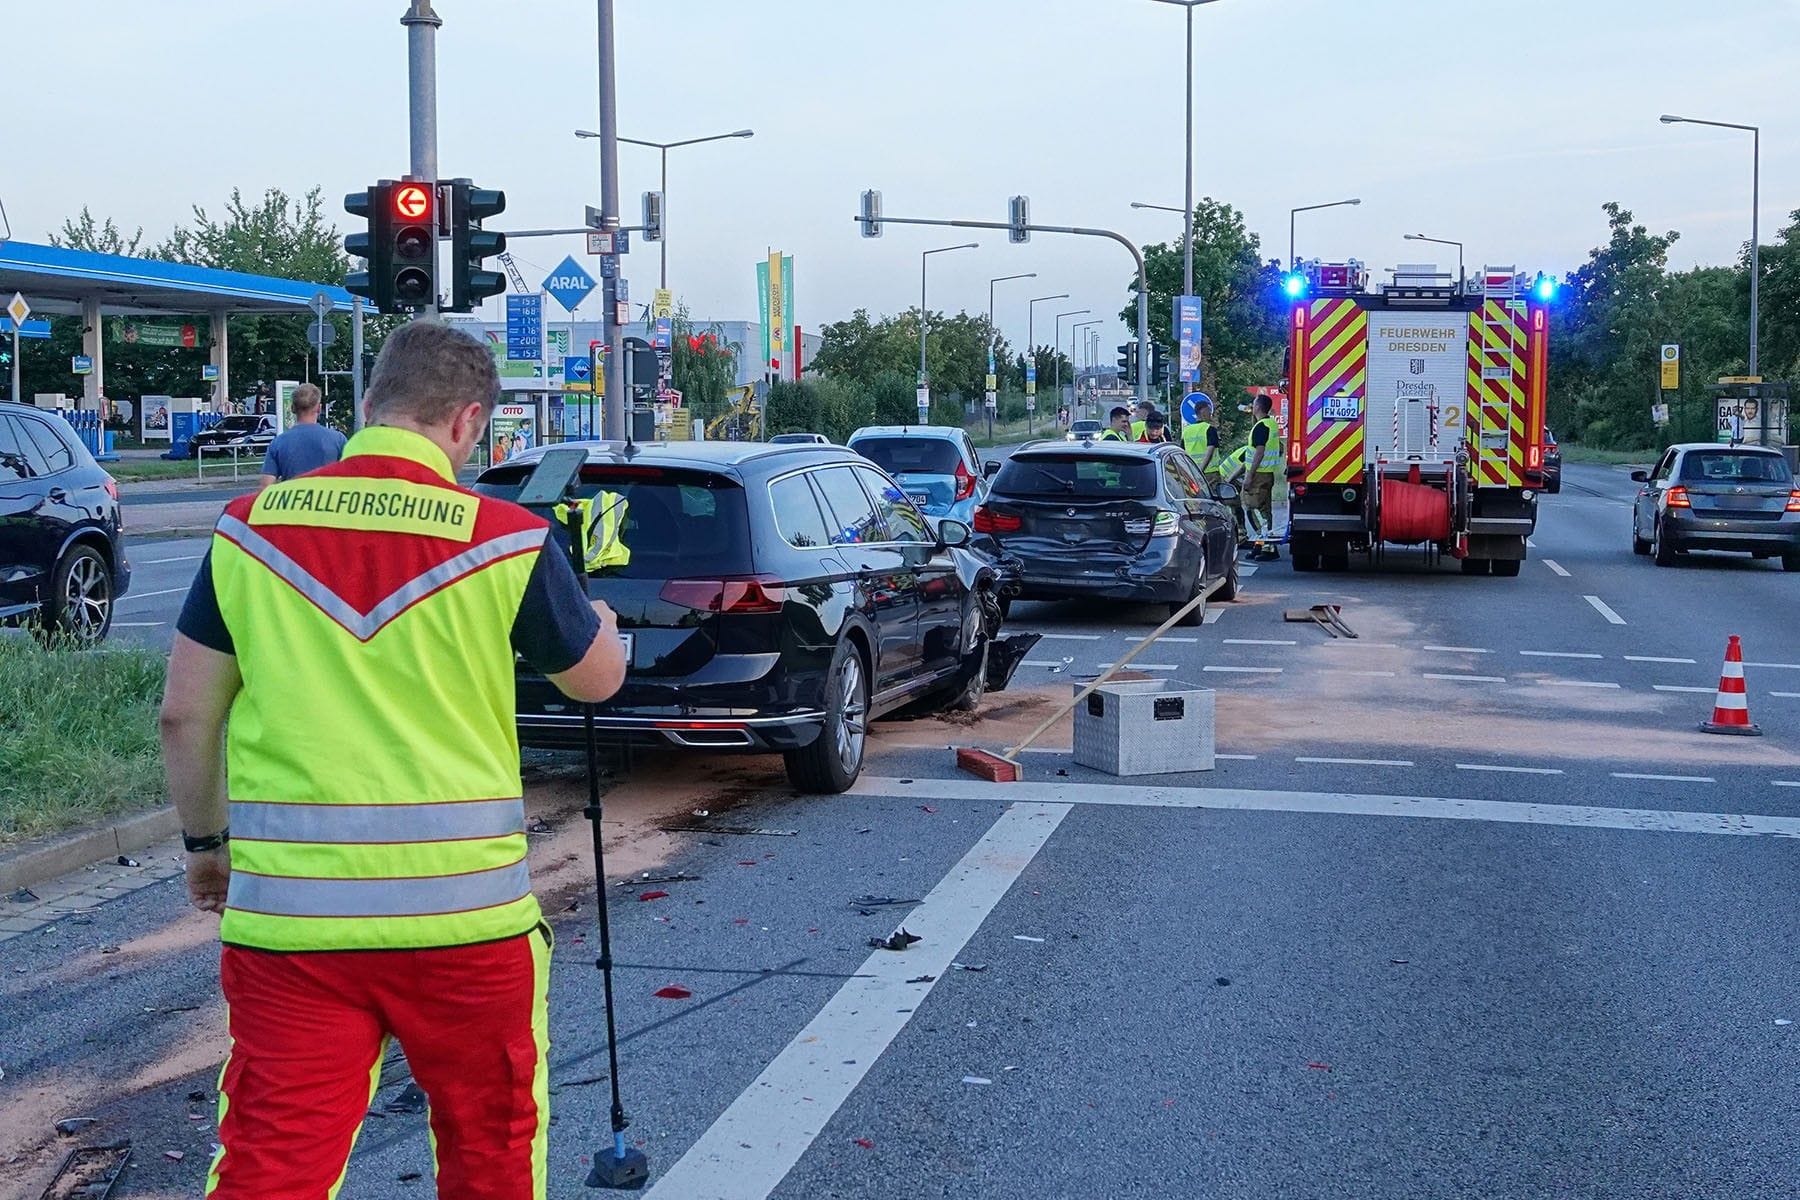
<point x="1758" y="421"/>
<point x="153" y="411"/>
<point x="775" y="308"/>
<point x="512" y="429"/>
<point x="1188" y="310"/>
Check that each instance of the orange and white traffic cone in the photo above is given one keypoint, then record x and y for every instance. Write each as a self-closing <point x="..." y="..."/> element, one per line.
<point x="1731" y="709"/>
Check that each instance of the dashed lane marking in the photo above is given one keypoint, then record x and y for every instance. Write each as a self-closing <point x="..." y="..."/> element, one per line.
<point x="1612" y="617"/>
<point x="1070" y="637"/>
<point x="1556" y="566"/>
<point x="1212" y="616"/>
<point x="1138" y="666"/>
<point x="138" y="624"/>
<point x="1783" y="695"/>
<point x="127" y="599"/>
<point x="1237" y="757"/>
<point x="1365" y="674"/>
<point x="1531" y="543"/>
<point x="1650" y="658"/>
<point x="157" y="562"/>
<point x="1183" y="640"/>
<point x="756" y="1141"/>
<point x="1587" y="683"/>
<point x="1257" y="642"/>
<point x="1363" y="644"/>
<point x="1457" y="649"/>
<point x="1664" y="778"/>
<point x="1243" y="670"/>
<point x="1582" y="816"/>
<point x="1359" y="762"/>
<point x="1670" y="687"/>
<point x="1495" y="767"/>
<point x="1465" y="678"/>
<point x="1795" y="783"/>
<point x="1559" y="654"/>
<point x="1775" y="666"/>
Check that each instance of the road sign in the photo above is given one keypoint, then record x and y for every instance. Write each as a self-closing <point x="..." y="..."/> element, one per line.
<point x="664" y="303"/>
<point x="599" y="243"/>
<point x="17" y="309"/>
<point x="81" y="364"/>
<point x="210" y="373"/>
<point x="321" y="334"/>
<point x="622" y="290"/>
<point x="578" y="373"/>
<point x="524" y="328"/>
<point x="609" y="266"/>
<point x="1671" y="367"/>
<point x="568" y="285"/>
<point x="321" y="304"/>
<point x="30" y="329"/>
<point x="1190" y="406"/>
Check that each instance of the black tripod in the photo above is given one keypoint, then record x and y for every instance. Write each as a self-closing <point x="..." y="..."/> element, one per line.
<point x="550" y="484"/>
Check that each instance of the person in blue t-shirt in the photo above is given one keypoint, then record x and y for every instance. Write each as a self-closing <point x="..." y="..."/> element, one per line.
<point x="306" y="446"/>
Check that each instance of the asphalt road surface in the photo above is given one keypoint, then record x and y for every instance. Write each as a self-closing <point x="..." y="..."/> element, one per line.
<point x="1468" y="908"/>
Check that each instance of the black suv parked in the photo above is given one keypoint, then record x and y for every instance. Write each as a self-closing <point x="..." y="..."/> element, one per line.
<point x="776" y="598"/>
<point x="62" y="552"/>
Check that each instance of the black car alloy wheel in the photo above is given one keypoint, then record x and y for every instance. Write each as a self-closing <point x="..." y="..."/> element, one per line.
<point x="80" y="604"/>
<point x="831" y="762"/>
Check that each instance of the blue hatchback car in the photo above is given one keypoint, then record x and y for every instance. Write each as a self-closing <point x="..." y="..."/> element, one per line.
<point x="935" y="464"/>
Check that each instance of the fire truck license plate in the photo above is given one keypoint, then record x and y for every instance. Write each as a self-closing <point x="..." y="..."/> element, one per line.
<point x="1342" y="408"/>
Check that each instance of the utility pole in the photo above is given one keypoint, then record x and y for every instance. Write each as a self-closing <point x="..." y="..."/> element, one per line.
<point x="422" y="25"/>
<point x="613" y="374"/>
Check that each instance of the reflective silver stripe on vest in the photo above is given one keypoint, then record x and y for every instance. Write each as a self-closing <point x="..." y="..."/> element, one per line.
<point x="279" y="896"/>
<point x="407" y="594"/>
<point x="376" y="824"/>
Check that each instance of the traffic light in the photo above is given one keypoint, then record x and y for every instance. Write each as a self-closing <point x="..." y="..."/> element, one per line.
<point x="1019" y="218"/>
<point x="412" y="243"/>
<point x="871" y="214"/>
<point x="470" y="282"/>
<point x="1128" y="363"/>
<point x="375" y="282"/>
<point x="1159" y="366"/>
<point x="653" y="216"/>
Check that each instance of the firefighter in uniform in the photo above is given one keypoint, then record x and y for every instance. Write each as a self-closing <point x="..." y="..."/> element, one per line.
<point x="358" y="625"/>
<point x="1201" y="440"/>
<point x="1264" y="460"/>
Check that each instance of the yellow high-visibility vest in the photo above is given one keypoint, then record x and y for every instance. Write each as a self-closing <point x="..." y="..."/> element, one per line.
<point x="1271" y="452"/>
<point x="604" y="541"/>
<point x="373" y="753"/>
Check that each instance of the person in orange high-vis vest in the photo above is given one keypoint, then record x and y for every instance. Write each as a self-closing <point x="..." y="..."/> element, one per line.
<point x="358" y="626"/>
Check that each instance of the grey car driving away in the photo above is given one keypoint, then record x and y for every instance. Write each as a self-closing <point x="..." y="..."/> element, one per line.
<point x="1705" y="496"/>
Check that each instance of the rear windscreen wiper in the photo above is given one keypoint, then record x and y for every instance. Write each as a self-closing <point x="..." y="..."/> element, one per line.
<point x="1067" y="485"/>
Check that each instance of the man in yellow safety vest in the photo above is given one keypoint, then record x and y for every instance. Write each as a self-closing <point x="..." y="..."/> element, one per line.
<point x="1265" y="459"/>
<point x="1200" y="437"/>
<point x="358" y="625"/>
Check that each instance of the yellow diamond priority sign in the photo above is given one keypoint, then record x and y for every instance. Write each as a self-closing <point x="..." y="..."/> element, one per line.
<point x="18" y="310"/>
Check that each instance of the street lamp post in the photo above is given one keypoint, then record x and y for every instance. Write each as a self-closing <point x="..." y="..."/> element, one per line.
<point x="1075" y="328"/>
<point x="665" y="147"/>
<point x="924" y="258"/>
<point x="1187" y="234"/>
<point x="1294" y="262"/>
<point x="1056" y="349"/>
<point x="993" y="337"/>
<point x="1031" y="324"/>
<point x="1755" y="132"/>
<point x="1419" y="237"/>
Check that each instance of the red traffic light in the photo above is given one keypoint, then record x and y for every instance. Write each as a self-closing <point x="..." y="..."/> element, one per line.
<point x="412" y="201"/>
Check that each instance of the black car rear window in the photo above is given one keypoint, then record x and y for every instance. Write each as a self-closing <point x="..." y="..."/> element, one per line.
<point x="1734" y="466"/>
<point x="679" y="524"/>
<point x="1077" y="475"/>
<point x="910" y="455"/>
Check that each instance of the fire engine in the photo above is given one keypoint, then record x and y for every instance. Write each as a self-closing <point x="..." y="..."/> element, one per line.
<point x="1418" y="413"/>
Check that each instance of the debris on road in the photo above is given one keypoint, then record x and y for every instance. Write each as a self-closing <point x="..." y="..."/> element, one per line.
<point x="960" y="966"/>
<point x="410" y="1176"/>
<point x="89" y="1172"/>
<point x="647" y="879"/>
<point x="738" y="830"/>
<point x="1783" y="1021"/>
<point x="653" y="895"/>
<point x="975" y="1079"/>
<point x="125" y="861"/>
<point x="1221" y="981"/>
<point x="1328" y="617"/>
<point x="897" y="940"/>
<point x="538" y="825"/>
<point x="198" y="1097"/>
<point x="70" y="1126"/>
<point x="1026" y="937"/>
<point x="673" y="991"/>
<point x="174" y="1155"/>
<point x="24" y="896"/>
<point x="923" y="979"/>
<point x="861" y="903"/>
<point x="865" y="1143"/>
<point x="1318" y="1066"/>
<point x="927" y="809"/>
<point x="410" y="1100"/>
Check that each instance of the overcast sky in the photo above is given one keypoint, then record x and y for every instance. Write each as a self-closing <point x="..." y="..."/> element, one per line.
<point x="1502" y="125"/>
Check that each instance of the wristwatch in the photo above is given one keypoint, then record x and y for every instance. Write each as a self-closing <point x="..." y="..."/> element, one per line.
<point x="212" y="841"/>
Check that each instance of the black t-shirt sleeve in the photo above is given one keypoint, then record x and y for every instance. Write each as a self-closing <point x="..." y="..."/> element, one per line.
<point x="1260" y="435"/>
<point x="556" y="625"/>
<point x="200" y="617"/>
<point x="1212" y="436"/>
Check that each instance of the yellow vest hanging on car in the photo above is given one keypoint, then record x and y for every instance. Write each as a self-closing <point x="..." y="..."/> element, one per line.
<point x="603" y="536"/>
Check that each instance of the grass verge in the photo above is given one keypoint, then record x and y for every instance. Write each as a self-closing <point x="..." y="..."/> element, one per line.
<point x="1589" y="454"/>
<point x="80" y="739"/>
<point x="136" y="470"/>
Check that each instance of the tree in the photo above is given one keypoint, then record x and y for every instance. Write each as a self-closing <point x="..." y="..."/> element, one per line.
<point x="862" y="349"/>
<point x="83" y="234"/>
<point x="704" y="365"/>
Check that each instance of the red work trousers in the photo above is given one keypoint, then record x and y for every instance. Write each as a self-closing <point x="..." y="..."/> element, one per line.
<point x="307" y="1036"/>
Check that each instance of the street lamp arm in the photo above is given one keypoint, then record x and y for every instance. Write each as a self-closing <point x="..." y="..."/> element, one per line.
<point x="1669" y="120"/>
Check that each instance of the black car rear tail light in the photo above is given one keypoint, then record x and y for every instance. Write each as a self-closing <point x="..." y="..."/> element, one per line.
<point x="754" y="594"/>
<point x="989" y="521"/>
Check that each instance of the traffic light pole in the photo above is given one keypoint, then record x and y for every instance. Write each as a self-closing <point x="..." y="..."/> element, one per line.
<point x="1137" y="257"/>
<point x="421" y="99"/>
<point x="613" y="371"/>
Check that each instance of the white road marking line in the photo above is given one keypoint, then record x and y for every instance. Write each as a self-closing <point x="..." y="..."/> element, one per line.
<point x="1457" y="649"/>
<point x="1775" y="666"/>
<point x="1508" y="770"/>
<point x="1167" y="638"/>
<point x="157" y="562"/>
<point x="1600" y="607"/>
<point x="1244" y="670"/>
<point x="755" y="1142"/>
<point x="1366" y="674"/>
<point x="1559" y="654"/>
<point x="1556" y="566"/>
<point x="138" y="624"/>
<point x="1237" y="757"/>
<point x="1512" y="812"/>
<point x="1141" y="666"/>
<point x="1670" y="687"/>
<point x="127" y="599"/>
<point x="1363" y="644"/>
<point x="1531" y="543"/>
<point x="1466" y="678"/>
<point x="1783" y="695"/>
<point x="1653" y="659"/>
<point x="1786" y="782"/>
<point x="1070" y="637"/>
<point x="1589" y="683"/>
<point x="1358" y="762"/>
<point x="1046" y="750"/>
<point x="1665" y="778"/>
<point x="1259" y="642"/>
<point x="1246" y="570"/>
<point x="1212" y="616"/>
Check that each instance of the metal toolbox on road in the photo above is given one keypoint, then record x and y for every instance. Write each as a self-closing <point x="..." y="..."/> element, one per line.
<point x="1145" y="727"/>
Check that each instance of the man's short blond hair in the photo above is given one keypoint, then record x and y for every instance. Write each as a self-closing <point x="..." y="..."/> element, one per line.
<point x="427" y="371"/>
<point x="307" y="398"/>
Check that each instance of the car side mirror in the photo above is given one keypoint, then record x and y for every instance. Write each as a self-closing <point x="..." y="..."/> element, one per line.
<point x="1640" y="477"/>
<point x="989" y="469"/>
<point x="953" y="534"/>
<point x="1225" y="492"/>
